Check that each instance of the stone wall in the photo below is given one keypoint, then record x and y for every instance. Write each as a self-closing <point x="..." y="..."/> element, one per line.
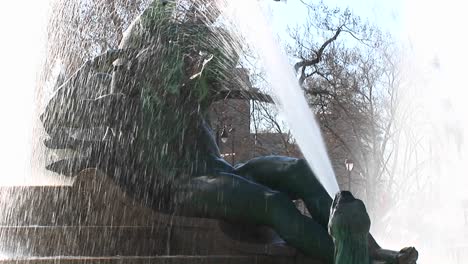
<point x="94" y="218"/>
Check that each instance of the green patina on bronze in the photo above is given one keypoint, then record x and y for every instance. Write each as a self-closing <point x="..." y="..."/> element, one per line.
<point x="159" y="149"/>
<point x="181" y="63"/>
<point x="349" y="226"/>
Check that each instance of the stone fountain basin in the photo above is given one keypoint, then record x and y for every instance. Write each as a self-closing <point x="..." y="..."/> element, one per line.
<point x="93" y="221"/>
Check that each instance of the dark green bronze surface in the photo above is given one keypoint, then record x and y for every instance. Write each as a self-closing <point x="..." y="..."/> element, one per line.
<point x="148" y="133"/>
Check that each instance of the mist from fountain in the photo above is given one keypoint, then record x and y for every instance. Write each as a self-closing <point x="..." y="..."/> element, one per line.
<point x="444" y="135"/>
<point x="288" y="95"/>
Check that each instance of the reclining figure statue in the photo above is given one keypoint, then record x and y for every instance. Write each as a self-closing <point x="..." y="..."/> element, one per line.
<point x="138" y="114"/>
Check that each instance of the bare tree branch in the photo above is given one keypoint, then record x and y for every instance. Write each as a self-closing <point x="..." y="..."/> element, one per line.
<point x="317" y="59"/>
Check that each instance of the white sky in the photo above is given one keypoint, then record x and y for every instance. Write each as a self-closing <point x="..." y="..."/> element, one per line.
<point x="22" y="25"/>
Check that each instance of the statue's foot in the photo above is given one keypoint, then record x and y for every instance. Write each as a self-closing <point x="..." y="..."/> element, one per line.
<point x="407" y="255"/>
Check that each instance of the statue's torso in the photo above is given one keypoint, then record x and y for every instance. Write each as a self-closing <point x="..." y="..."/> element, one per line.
<point x="174" y="89"/>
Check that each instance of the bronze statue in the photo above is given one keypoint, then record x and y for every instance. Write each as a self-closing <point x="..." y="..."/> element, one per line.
<point x="142" y="122"/>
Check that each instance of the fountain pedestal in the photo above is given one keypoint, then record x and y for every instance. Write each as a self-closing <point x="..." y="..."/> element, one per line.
<point x="93" y="221"/>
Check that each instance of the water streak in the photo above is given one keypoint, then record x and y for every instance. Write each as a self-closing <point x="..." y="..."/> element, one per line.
<point x="249" y="20"/>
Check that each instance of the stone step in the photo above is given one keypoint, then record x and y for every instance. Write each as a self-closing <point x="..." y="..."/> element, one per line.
<point x="160" y="260"/>
<point x="45" y="241"/>
<point x="94" y="218"/>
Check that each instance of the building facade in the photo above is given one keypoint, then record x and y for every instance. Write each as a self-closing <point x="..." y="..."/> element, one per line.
<point x="231" y="122"/>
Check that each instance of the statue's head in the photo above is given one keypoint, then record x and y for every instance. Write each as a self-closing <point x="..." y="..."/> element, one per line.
<point x="176" y="50"/>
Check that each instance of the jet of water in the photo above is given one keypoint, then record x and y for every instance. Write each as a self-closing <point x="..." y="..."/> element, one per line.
<point x="248" y="17"/>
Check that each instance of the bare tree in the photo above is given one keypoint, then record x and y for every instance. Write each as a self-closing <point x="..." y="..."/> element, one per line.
<point x="271" y="133"/>
<point x="351" y="79"/>
<point x="323" y="27"/>
<point x="80" y="30"/>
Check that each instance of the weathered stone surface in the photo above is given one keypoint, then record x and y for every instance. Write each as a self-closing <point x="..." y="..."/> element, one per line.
<point x="83" y="241"/>
<point x="165" y="260"/>
<point x="94" y="218"/>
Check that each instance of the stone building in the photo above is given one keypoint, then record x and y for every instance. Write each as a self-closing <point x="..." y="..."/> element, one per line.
<point x="231" y="122"/>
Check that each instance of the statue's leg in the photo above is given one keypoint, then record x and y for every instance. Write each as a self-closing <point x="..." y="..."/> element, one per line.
<point x="292" y="176"/>
<point x="233" y="198"/>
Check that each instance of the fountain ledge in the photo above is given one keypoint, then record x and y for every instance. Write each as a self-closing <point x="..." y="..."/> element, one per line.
<point x="93" y="221"/>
